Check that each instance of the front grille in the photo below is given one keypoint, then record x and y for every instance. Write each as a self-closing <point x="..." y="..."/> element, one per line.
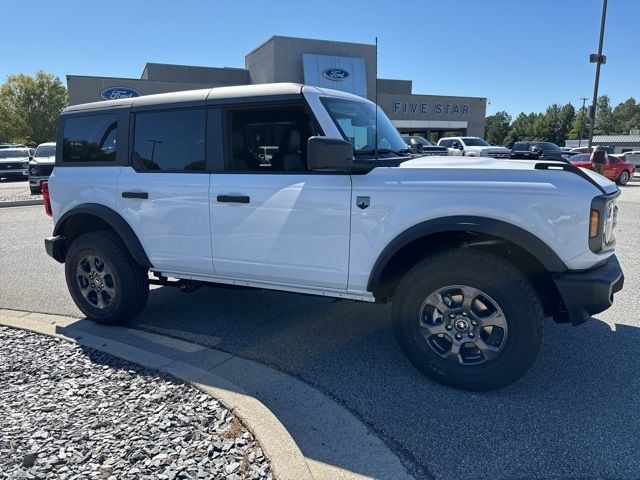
<point x="443" y="151"/>
<point x="498" y="155"/>
<point x="12" y="166"/>
<point x="40" y="170"/>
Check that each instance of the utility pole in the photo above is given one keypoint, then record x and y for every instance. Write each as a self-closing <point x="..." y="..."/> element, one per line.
<point x="584" y="99"/>
<point x="598" y="59"/>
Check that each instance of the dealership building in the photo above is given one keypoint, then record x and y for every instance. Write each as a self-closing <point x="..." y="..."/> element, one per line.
<point x="350" y="67"/>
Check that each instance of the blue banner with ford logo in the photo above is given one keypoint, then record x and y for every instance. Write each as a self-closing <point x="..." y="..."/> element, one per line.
<point x="346" y="74"/>
<point x="335" y="74"/>
<point x="116" y="93"/>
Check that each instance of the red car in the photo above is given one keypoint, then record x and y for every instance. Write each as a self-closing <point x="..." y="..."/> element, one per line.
<point x="618" y="169"/>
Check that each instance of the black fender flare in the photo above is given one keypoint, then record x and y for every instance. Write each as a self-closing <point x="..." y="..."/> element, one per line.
<point x="509" y="232"/>
<point x="115" y="221"/>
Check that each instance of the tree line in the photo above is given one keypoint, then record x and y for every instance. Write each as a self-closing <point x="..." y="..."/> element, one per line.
<point x="562" y="122"/>
<point x="29" y="108"/>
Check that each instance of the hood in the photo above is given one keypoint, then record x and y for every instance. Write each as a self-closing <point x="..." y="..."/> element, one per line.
<point x="604" y="182"/>
<point x="45" y="160"/>
<point x="14" y="160"/>
<point x="495" y="149"/>
<point x="487" y="163"/>
<point x="488" y="149"/>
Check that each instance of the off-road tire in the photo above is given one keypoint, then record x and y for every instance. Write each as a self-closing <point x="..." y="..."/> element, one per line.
<point x="131" y="280"/>
<point x="499" y="279"/>
<point x="35" y="191"/>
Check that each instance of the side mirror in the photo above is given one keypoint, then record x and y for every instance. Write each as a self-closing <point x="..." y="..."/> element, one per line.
<point x="330" y="154"/>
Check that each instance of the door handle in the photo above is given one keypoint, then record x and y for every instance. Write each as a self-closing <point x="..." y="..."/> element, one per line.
<point x="233" y="198"/>
<point x="142" y="195"/>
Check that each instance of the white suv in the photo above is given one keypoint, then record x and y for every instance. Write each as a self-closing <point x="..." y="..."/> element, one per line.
<point x="473" y="253"/>
<point x="472" y="147"/>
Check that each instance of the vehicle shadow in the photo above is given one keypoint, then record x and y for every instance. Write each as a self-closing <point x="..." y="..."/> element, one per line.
<point x="573" y="414"/>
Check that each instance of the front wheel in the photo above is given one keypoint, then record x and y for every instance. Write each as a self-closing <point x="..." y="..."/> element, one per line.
<point x="623" y="178"/>
<point x="468" y="319"/>
<point x="104" y="281"/>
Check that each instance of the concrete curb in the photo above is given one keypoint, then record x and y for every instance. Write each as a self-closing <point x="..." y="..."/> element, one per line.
<point x="304" y="433"/>
<point x="21" y="203"/>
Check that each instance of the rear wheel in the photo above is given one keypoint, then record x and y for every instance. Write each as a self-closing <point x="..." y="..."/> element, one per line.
<point x="106" y="284"/>
<point x="468" y="319"/>
<point x="623" y="178"/>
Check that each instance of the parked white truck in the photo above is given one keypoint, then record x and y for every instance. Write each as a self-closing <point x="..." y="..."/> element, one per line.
<point x="473" y="253"/>
<point x="472" y="147"/>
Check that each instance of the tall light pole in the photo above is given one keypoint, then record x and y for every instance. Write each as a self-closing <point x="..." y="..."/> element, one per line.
<point x="584" y="99"/>
<point x="598" y="59"/>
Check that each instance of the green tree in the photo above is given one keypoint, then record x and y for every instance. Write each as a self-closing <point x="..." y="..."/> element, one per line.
<point x="605" y="121"/>
<point x="567" y="116"/>
<point x="580" y="124"/>
<point x="547" y="125"/>
<point x="521" y="129"/>
<point x="626" y="116"/>
<point x="497" y="128"/>
<point x="30" y="106"/>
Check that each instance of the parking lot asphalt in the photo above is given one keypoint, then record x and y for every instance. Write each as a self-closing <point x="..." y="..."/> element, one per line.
<point x="574" y="415"/>
<point x="13" y="187"/>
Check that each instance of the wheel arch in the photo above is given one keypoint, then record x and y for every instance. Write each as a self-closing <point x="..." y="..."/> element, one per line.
<point x="446" y="232"/>
<point x="93" y="216"/>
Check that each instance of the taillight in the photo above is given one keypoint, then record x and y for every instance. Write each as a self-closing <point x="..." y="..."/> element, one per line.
<point x="44" y="188"/>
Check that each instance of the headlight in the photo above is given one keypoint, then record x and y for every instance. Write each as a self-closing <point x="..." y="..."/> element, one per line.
<point x="602" y="222"/>
<point x="610" y="221"/>
<point x="25" y="164"/>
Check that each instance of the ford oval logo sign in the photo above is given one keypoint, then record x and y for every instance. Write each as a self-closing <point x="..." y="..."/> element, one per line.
<point x="116" y="93"/>
<point x="335" y="74"/>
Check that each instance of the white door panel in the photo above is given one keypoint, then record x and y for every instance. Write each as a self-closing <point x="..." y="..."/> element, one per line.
<point x="173" y="223"/>
<point x="295" y="228"/>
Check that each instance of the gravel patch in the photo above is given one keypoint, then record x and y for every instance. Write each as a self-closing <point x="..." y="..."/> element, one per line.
<point x="18" y="197"/>
<point x="68" y="412"/>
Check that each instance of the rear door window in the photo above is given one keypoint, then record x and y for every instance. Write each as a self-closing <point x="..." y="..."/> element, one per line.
<point x="90" y="138"/>
<point x="170" y="140"/>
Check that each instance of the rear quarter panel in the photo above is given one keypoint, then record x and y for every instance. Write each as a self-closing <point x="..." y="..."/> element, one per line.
<point x="73" y="186"/>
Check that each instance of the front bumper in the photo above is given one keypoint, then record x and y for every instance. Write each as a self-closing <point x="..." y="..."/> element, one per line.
<point x="585" y="293"/>
<point x="56" y="248"/>
<point x="14" y="173"/>
<point x="35" y="181"/>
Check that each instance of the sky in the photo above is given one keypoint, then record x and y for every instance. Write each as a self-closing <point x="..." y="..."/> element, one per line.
<point x="522" y="55"/>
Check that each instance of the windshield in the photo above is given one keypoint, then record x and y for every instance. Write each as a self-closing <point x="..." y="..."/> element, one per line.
<point x="46" y="151"/>
<point x="423" y="141"/>
<point x="357" y="122"/>
<point x="475" y="142"/>
<point x="548" y="146"/>
<point x="14" y="153"/>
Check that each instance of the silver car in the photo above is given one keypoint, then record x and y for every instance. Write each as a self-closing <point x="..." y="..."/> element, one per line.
<point x="14" y="162"/>
<point x="41" y="165"/>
